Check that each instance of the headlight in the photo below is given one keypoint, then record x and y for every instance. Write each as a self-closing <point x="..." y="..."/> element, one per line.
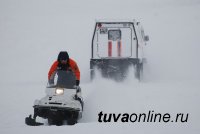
<point x="59" y="91"/>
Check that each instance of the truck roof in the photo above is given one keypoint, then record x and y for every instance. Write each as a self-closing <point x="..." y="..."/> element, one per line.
<point x="115" y="20"/>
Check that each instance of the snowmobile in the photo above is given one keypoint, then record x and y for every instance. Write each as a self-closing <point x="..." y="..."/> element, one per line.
<point x="62" y="104"/>
<point x="117" y="46"/>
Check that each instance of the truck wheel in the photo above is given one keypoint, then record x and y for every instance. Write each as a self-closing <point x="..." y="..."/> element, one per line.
<point x="92" y="74"/>
<point x="139" y="71"/>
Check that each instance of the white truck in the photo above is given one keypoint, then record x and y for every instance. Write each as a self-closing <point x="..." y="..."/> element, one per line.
<point x="116" y="46"/>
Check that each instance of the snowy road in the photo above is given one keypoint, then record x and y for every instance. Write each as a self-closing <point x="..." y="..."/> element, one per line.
<point x="33" y="32"/>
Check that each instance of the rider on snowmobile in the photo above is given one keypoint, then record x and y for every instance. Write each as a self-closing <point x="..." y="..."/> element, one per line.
<point x="63" y="62"/>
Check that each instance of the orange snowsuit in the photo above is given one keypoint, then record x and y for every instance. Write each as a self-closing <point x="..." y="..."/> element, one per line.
<point x="72" y="65"/>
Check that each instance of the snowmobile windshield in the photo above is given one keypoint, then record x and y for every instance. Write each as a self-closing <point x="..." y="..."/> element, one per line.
<point x="64" y="79"/>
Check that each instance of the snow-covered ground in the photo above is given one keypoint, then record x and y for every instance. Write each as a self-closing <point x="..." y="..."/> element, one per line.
<point x="32" y="32"/>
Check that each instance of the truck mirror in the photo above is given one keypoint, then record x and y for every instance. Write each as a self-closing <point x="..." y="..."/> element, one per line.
<point x="146" y="38"/>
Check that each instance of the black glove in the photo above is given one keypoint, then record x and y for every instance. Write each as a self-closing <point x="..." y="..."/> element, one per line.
<point x="51" y="81"/>
<point x="77" y="82"/>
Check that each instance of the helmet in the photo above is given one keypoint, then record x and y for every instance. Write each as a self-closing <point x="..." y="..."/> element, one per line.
<point x="63" y="55"/>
